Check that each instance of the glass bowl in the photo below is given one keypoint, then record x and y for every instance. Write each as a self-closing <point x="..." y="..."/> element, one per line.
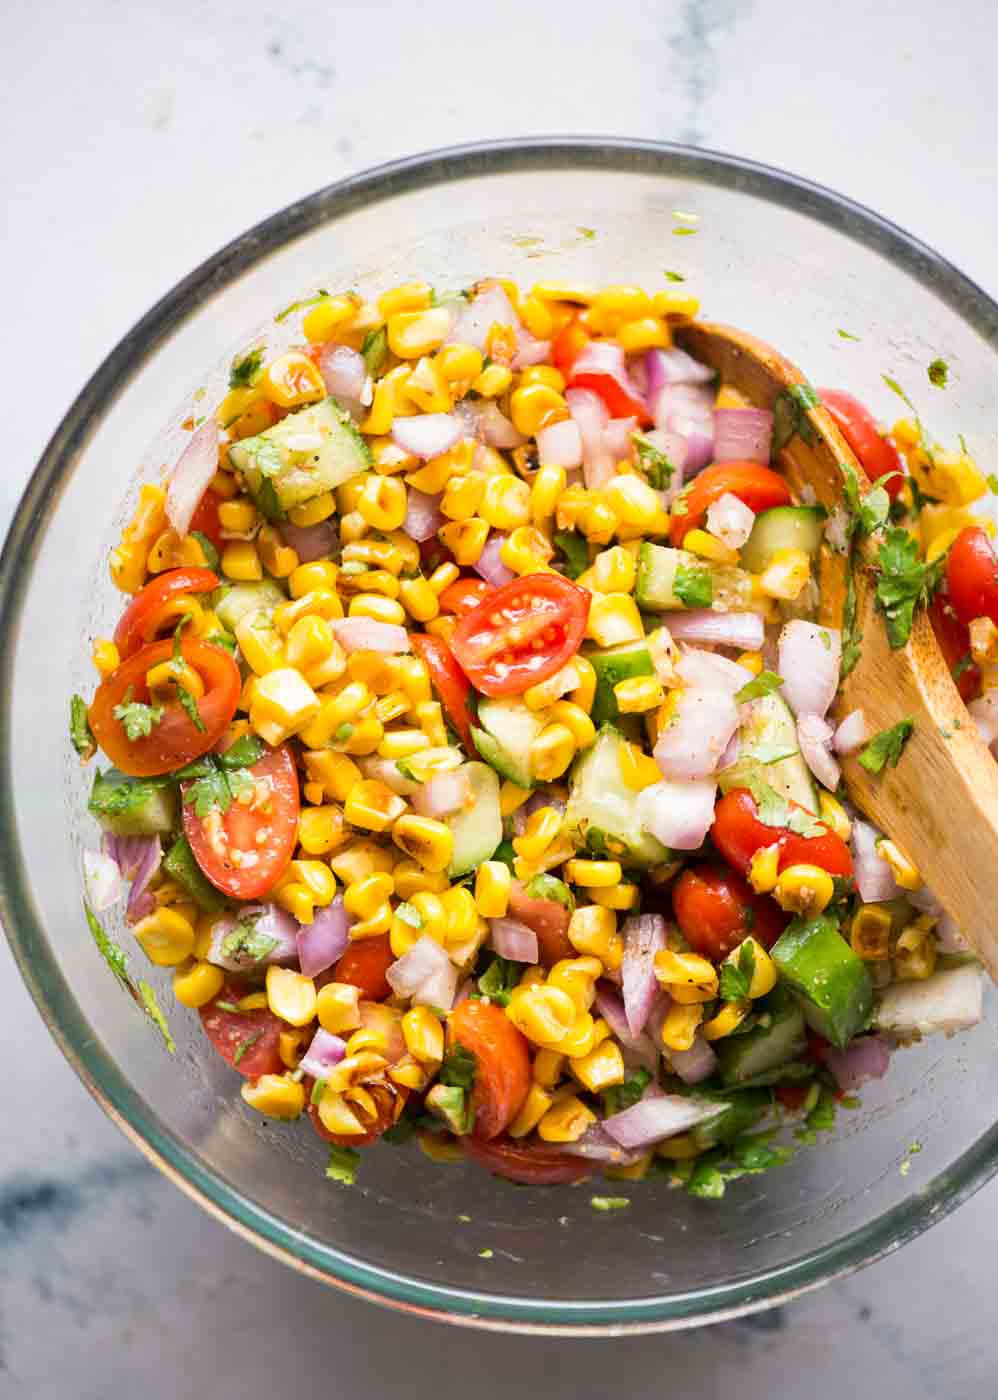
<point x="781" y="257"/>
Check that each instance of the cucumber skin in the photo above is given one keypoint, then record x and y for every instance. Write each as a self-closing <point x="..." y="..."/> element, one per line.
<point x="636" y="661"/>
<point x="829" y="979"/>
<point x="181" y="865"/>
<point x="233" y="603"/>
<point x="154" y="817"/>
<point x="494" y="755"/>
<point x="485" y="813"/>
<point x="792" y="527"/>
<point x="605" y="822"/>
<point x="767" y="1047"/>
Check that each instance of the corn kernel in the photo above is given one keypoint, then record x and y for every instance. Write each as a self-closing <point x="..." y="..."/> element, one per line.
<point x="547" y="692"/>
<point x="552" y="752"/>
<point x="535" y="406"/>
<point x="601" y="1068"/>
<point x="292" y="380"/>
<point x="166" y="937"/>
<point x="546" y="488"/>
<point x="547" y="1067"/>
<point x="542" y="827"/>
<point x="915" y="954"/>
<point x="337" y="1005"/>
<point x="870" y="932"/>
<point x="424" y="1035"/>
<point x="680" y="1024"/>
<point x="424" y="839"/>
<point x="638" y="694"/>
<point x="336" y="772"/>
<point x="290" y="996"/>
<point x="459" y="364"/>
<point x="906" y="873"/>
<point x="320" y="829"/>
<point x="577" y="977"/>
<point x="544" y="1014"/>
<point x="493" y="881"/>
<point x="505" y="503"/>
<point x="638" y="769"/>
<point x="283" y="704"/>
<point x="687" y="976"/>
<point x="105" y="656"/>
<point x="786" y="574"/>
<point x="319" y="576"/>
<point x="407" y="296"/>
<point x="764" y="869"/>
<point x="381" y="609"/>
<point x="511" y="798"/>
<point x="526" y="551"/>
<point x="648" y="333"/>
<point x="415" y="333"/>
<point x="372" y="805"/>
<point x="763" y="978"/>
<point x="613" y="619"/>
<point x="196" y="985"/>
<point x="804" y="889"/>
<point x="566" y="1121"/>
<point x="364" y="898"/>
<point x="706" y="546"/>
<point x="593" y="874"/>
<point x="275" y="1096"/>
<point x="620" y="897"/>
<point x="728" y="1019"/>
<point x="585" y="690"/>
<point x="240" y="561"/>
<point x="531" y="1111"/>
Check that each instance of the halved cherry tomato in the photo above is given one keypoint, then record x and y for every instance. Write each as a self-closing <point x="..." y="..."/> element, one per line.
<point x="716" y="909"/>
<point x="146" y="614"/>
<point x="567" y="346"/>
<point x="464" y="594"/>
<point x="738" y="833"/>
<point x="449" y="681"/>
<point x="522" y="633"/>
<point x="205" y="520"/>
<point x="548" y="919"/>
<point x="601" y="366"/>
<point x="502" y="1063"/>
<point x="972" y="576"/>
<point x="389" y="1100"/>
<point x="176" y="739"/>
<point x="877" y="454"/>
<point x="364" y="965"/>
<point x="953" y="637"/>
<point x="534" y="1164"/>
<point x="251" y="1035"/>
<point x="756" y="486"/>
<point x="256" y="841"/>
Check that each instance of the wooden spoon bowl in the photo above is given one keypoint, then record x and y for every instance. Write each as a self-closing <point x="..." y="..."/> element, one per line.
<point x="940" y="803"/>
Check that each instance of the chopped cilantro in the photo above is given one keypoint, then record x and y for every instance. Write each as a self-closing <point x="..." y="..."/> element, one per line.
<point x="190" y="706"/>
<point x="852" y="637"/>
<point x="400" y="1131"/>
<point x="609" y="1202"/>
<point x="458" y="1068"/>
<point x="499" y="979"/>
<point x="207" y="549"/>
<point x="790" y="414"/>
<point x="545" y="886"/>
<point x="822" y="1115"/>
<point x="674" y="276"/>
<point x="587" y="233"/>
<point x="574" y="551"/>
<point x="409" y="914"/>
<point x="693" y="586"/>
<point x="375" y="349"/>
<point x="846" y="335"/>
<point x="681" y="504"/>
<point x="763" y="684"/>
<point x="266" y="456"/>
<point x="151" y="1007"/>
<point x="870" y="512"/>
<point x="963" y="665"/>
<point x="747" y="1156"/>
<point x="245" y="372"/>
<point x="212" y="787"/>
<point x="938" y="373"/>
<point x="904" y="582"/>
<point x="774" y="810"/>
<point x="246" y="751"/>
<point x="653" y="462"/>
<point x="344" y="732"/>
<point x="886" y="747"/>
<point x="626" y="1095"/>
<point x="343" y="1164"/>
<point x="736" y="976"/>
<point x="110" y="951"/>
<point x="683" y="232"/>
<point x="79" y="728"/>
<point x="248" y="1044"/>
<point x="301" y="305"/>
<point x="138" y="719"/>
<point x="245" y="942"/>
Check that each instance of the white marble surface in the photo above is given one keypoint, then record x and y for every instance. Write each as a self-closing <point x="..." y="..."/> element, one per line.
<point x="139" y="137"/>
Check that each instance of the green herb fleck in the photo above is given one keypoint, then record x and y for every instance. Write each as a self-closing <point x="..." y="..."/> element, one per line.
<point x="82" y="739"/>
<point x="904" y="582"/>
<point x="110" y="951"/>
<point x="244" y="942"/>
<point x="207" y="549"/>
<point x="343" y="1164"/>
<point x="870" y="512"/>
<point x="245" y="372"/>
<point x="265" y="455"/>
<point x="774" y="810"/>
<point x="674" y="276"/>
<point x="736" y="976"/>
<point x="458" y="1068"/>
<point x="150" y="1005"/>
<point x="693" y="586"/>
<point x="653" y="462"/>
<point x="587" y="233"/>
<point x="790" y="414"/>
<point x="248" y="1044"/>
<point x="886" y="747"/>
<point x="852" y="637"/>
<point x="375" y="350"/>
<point x="301" y="305"/>
<point x="246" y="751"/>
<point x="138" y="719"/>
<point x="938" y="373"/>
<point x="609" y="1202"/>
<point x="625" y="1095"/>
<point x="683" y="232"/>
<point x="486" y="1254"/>
<point x="846" y="335"/>
<point x="574" y="551"/>
<point x="960" y="667"/>
<point x="763" y="684"/>
<point x="212" y="788"/>
<point x="499" y="979"/>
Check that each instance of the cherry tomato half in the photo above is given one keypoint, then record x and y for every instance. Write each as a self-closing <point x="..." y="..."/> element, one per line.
<point x="389" y="1101"/>
<point x="146" y="614"/>
<point x="254" y="844"/>
<point x="600" y="366"/>
<point x="534" y="1164"/>
<point x="953" y="637"/>
<point x="176" y="739"/>
<point x="252" y="1036"/>
<point x="738" y="833"/>
<point x="205" y="520"/>
<point x="716" y="909"/>
<point x="521" y="634"/>
<point x="756" y="486"/>
<point x="877" y="454"/>
<point x="548" y="919"/>
<point x="502" y="1063"/>
<point x="364" y="965"/>
<point x="464" y="594"/>
<point x="449" y="681"/>
<point x="972" y="576"/>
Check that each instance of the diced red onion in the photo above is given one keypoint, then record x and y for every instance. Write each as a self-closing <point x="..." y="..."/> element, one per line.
<point x="944" y="1003"/>
<point x="489" y="566"/>
<point x="323" y="1054"/>
<point x="837" y="529"/>
<point x="269" y="921"/>
<point x="591" y="416"/>
<point x="809" y="658"/>
<point x="674" y="366"/>
<point x="688" y="409"/>
<point x="984" y="713"/>
<point x="695" y="1064"/>
<point x="189" y="480"/>
<point x="730" y="520"/>
<point x="464" y="990"/>
<point x="874" y="877"/>
<point x="425" y="959"/>
<point x="639" y="1050"/>
<point x="692" y="743"/>
<point x="101" y="880"/>
<point x="925" y="901"/>
<point x="814" y="736"/>
<point x="867" y="1057"/>
<point x="644" y="936"/>
<point x="949" y="939"/>
<point x="311" y="542"/>
<point x="138" y="858"/>
<point x="655" y="1118"/>
<point x="439" y="989"/>
<point x="427" y="434"/>
<point x="678" y="814"/>
<point x="617" y="437"/>
<point x="514" y="940"/>
<point x="742" y="435"/>
<point x="709" y="671"/>
<point x="560" y="444"/>
<point x="674" y="448"/>
<point x="385" y="770"/>
<point x="597" y="1145"/>
<point x="530" y="351"/>
<point x="423" y="517"/>
<point x="367" y="634"/>
<point x="490" y="307"/>
<point x="605" y="359"/>
<point x="742" y="630"/>
<point x="443" y="794"/>
<point x="344" y="371"/>
<point x="496" y="429"/>
<point x="851" y="734"/>
<point x="732" y="749"/>
<point x="325" y="939"/>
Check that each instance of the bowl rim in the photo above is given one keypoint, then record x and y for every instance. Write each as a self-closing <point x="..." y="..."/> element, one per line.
<point x="41" y="973"/>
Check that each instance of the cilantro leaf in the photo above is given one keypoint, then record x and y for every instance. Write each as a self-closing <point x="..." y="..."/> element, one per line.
<point x="625" y="1095"/>
<point x="693" y="586"/>
<point x="803" y="823"/>
<point x="225" y="640"/>
<point x="343" y="1164"/>
<point x="82" y="739"/>
<point x="246" y="751"/>
<point x="609" y="1202"/>
<point x="190" y="706"/>
<point x="790" y="414"/>
<point x="763" y="684"/>
<point x="209" y="792"/>
<point x="245" y="942"/>
<point x="904" y="582"/>
<point x="886" y="747"/>
<point x="375" y="349"/>
<point x="151" y="1007"/>
<point x="545" y="886"/>
<point x="207" y="549"/>
<point x="245" y="372"/>
<point x="458" y="1068"/>
<point x="499" y="979"/>
<point x="960" y="667"/>
<point x="653" y="462"/>
<point x="736" y="976"/>
<point x="111" y="952"/>
<point x="938" y="373"/>
<point x="872" y="511"/>
<point x="674" y="276"/>
<point x="574" y="551"/>
<point x="301" y="305"/>
<point x="774" y="810"/>
<point x="137" y="718"/>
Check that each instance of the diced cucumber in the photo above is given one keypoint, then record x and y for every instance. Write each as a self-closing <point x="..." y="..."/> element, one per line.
<point x="611" y="665"/>
<point x="654" y="587"/>
<point x="602" y="815"/>
<point x="829" y="978"/>
<point x="477" y="828"/>
<point x="133" y="806"/>
<point x="231" y="604"/>
<point x="778" y="1039"/>
<point x="736" y="1113"/>
<point x="505" y="731"/>
<point x="784" y="527"/>
<point x="308" y="452"/>
<point x="769" y="729"/>
<point x="180" y="864"/>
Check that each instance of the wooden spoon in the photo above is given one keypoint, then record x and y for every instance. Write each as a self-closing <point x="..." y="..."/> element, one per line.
<point x="940" y="804"/>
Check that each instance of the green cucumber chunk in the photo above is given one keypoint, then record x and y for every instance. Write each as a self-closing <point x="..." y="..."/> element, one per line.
<point x="783" y="527"/>
<point x="477" y="828"/>
<point x="768" y="730"/>
<point x="775" y="1040"/>
<point x="181" y="865"/>
<point x="654" y="586"/>
<point x="231" y="604"/>
<point x="133" y="806"/>
<point x="830" y="980"/>
<point x="601" y="816"/>
<point x="611" y="665"/>
<point x="503" y="736"/>
<point x="311" y="451"/>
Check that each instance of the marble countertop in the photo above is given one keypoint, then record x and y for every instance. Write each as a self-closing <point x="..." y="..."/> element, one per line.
<point x="139" y="138"/>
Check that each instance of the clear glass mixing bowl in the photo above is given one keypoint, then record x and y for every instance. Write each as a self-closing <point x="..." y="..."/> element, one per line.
<point x="783" y="258"/>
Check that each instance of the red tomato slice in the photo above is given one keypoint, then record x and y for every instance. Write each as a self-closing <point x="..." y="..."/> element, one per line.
<point x="252" y="1036"/>
<point x="738" y="833"/>
<point x="972" y="576"/>
<point x="464" y="594"/>
<point x="548" y="919"/>
<point x="521" y="634"/>
<point x="266" y="833"/>
<point x="389" y="1100"/>
<point x="953" y="637"/>
<point x="176" y="739"/>
<point x="364" y="965"/>
<point x="502" y="1063"/>
<point x="716" y="909"/>
<point x="756" y="486"/>
<point x="146" y="614"/>
<point x="600" y="366"/>
<point x="534" y="1164"/>
<point x="205" y="520"/>
<point x="450" y="683"/>
<point x="876" y="453"/>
